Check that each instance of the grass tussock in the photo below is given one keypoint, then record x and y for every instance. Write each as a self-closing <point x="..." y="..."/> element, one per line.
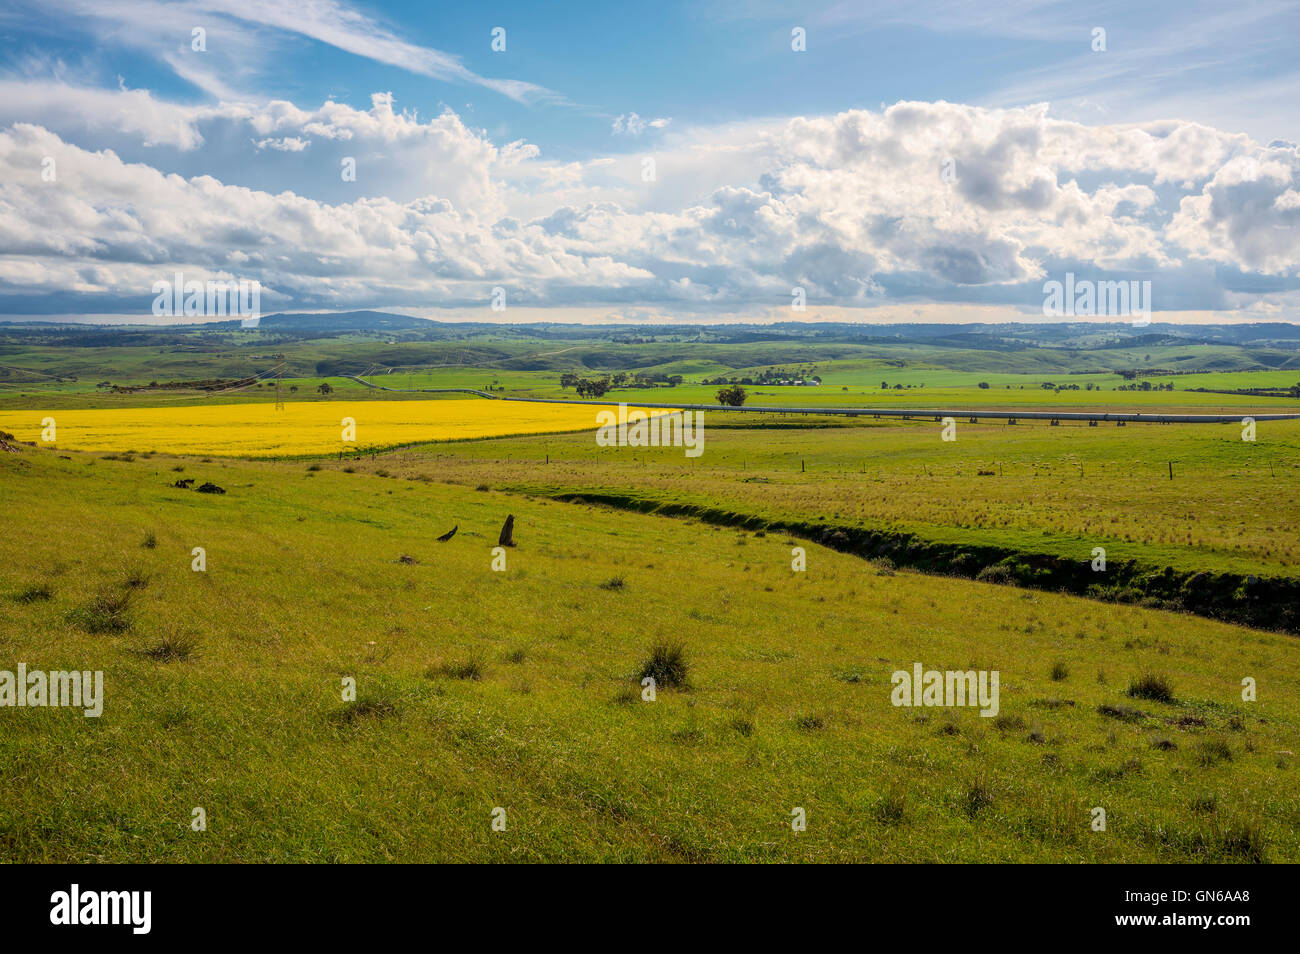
<point x="1210" y="752"/>
<point x="108" y="611"/>
<point x="1121" y="712"/>
<point x="976" y="797"/>
<point x="891" y="808"/>
<point x="471" y="668"/>
<point x="666" y="665"/>
<point x="364" y="709"/>
<point x="1151" y="686"/>
<point x="33" y="593"/>
<point x="135" y="577"/>
<point x="173" y="648"/>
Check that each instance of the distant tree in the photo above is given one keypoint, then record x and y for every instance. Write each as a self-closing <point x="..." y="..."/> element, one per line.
<point x="325" y="389"/>
<point x="593" y="387"/>
<point x="733" y="396"/>
<point x="568" y="379"/>
<point x="674" y="380"/>
<point x="984" y="385"/>
<point x="884" y="385"/>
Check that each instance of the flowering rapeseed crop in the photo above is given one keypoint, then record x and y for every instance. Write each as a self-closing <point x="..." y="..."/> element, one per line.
<point x="259" y="430"/>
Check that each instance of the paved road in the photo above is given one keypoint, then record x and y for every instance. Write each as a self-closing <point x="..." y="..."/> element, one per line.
<point x="1093" y="417"/>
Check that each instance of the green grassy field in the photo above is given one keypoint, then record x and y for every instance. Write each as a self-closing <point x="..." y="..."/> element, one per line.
<point x="479" y="689"/>
<point x="517" y="689"/>
<point x="1061" y="490"/>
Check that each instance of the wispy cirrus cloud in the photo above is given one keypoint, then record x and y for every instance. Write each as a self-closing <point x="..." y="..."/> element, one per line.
<point x="249" y="31"/>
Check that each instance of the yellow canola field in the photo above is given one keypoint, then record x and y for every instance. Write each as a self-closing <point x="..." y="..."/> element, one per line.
<point x="259" y="430"/>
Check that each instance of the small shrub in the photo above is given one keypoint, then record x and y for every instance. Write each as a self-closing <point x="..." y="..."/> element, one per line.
<point x="613" y="583"/>
<point x="1060" y="671"/>
<point x="997" y="573"/>
<point x="313" y="467"/>
<point x="150" y="541"/>
<point x="667" y="665"/>
<point x="808" y="723"/>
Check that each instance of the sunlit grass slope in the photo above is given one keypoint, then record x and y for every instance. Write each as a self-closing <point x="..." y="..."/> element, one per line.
<point x="517" y="689"/>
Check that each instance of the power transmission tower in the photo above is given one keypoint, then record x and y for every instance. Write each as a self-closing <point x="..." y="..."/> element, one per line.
<point x="279" y="381"/>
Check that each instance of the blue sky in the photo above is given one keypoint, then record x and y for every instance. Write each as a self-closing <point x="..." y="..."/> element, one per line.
<point x="1168" y="156"/>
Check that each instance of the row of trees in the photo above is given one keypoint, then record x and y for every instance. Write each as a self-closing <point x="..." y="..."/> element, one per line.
<point x="621" y="379"/>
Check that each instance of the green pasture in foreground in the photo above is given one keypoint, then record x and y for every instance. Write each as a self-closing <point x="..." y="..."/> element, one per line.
<point x="517" y="689"/>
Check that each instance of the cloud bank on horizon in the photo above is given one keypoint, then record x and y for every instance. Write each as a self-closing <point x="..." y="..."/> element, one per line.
<point x="285" y="142"/>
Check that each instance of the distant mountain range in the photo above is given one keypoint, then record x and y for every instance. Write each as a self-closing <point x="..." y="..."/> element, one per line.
<point x="1003" y="336"/>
